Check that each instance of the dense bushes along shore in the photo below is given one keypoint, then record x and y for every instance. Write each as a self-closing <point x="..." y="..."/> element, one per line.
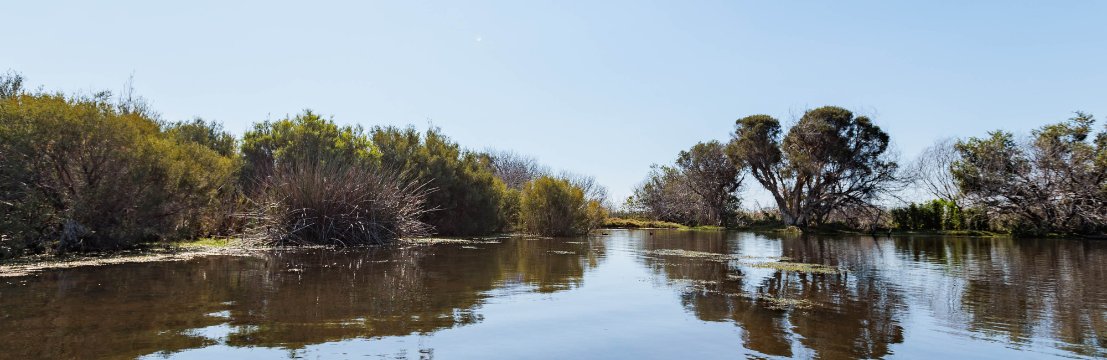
<point x="86" y="173"/>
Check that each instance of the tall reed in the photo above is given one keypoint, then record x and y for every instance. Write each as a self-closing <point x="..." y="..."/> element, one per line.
<point x="328" y="203"/>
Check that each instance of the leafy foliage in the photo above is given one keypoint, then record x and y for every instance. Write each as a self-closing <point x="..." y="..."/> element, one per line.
<point x="701" y="188"/>
<point x="220" y="215"/>
<point x="468" y="198"/>
<point x="667" y="196"/>
<point x="209" y="134"/>
<point x="1053" y="182"/>
<point x="556" y="207"/>
<point x="81" y="173"/>
<point x="829" y="161"/>
<point x="714" y="178"/>
<point x="306" y="138"/>
<point x="938" y="214"/>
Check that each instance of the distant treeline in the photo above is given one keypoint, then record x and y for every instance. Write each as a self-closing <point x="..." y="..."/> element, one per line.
<point x="98" y="172"/>
<point x="833" y="169"/>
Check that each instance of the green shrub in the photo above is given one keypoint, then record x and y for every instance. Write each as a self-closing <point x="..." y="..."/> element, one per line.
<point x="84" y="174"/>
<point x="314" y="182"/>
<point x="220" y="216"/>
<point x="938" y="215"/>
<point x="468" y="199"/>
<point x="556" y="207"/>
<point x="306" y="138"/>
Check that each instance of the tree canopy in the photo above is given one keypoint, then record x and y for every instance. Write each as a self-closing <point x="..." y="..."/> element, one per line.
<point x="1055" y="181"/>
<point x="830" y="160"/>
<point x="467" y="198"/>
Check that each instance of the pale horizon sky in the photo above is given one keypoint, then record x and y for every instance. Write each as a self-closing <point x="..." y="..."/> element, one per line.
<point x="602" y="88"/>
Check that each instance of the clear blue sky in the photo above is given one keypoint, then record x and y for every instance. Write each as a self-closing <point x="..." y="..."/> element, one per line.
<point x="596" y="87"/>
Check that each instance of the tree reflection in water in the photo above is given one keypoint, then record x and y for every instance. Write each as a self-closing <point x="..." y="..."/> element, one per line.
<point x="908" y="296"/>
<point x="852" y="314"/>
<point x="1021" y="291"/>
<point x="287" y="299"/>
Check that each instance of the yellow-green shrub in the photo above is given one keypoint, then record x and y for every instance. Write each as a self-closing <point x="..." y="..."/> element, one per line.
<point x="556" y="207"/>
<point x="81" y="173"/>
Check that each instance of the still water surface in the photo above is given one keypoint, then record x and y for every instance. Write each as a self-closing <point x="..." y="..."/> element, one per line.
<point x="627" y="294"/>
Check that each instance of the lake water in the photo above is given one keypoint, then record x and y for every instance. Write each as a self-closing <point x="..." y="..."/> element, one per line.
<point x="629" y="294"/>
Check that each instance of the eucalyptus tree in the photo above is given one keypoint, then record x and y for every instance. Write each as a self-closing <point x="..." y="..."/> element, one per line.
<point x="1052" y="182"/>
<point x="711" y="175"/>
<point x="830" y="160"/>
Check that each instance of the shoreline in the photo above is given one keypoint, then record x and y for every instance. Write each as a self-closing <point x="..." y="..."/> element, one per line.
<point x="29" y="265"/>
<point x="182" y="251"/>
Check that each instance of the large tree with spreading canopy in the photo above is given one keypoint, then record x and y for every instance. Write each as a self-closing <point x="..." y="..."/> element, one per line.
<point x="830" y="160"/>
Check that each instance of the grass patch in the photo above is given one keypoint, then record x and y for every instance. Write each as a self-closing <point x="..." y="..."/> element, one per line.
<point x="631" y="223"/>
<point x="706" y="228"/>
<point x="207" y="243"/>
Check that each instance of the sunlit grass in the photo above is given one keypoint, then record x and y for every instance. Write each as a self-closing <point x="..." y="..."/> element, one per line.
<point x="640" y="224"/>
<point x="207" y="243"/>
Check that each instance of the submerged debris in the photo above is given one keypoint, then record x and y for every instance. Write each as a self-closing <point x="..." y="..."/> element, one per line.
<point x="781" y="303"/>
<point x="781" y="262"/>
<point x="692" y="254"/>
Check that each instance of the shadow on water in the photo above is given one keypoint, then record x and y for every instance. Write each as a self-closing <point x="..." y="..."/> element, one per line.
<point x="284" y="299"/>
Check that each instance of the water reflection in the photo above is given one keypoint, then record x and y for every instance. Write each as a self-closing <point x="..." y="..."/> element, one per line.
<point x="285" y="299"/>
<point x="851" y="314"/>
<point x="1033" y="294"/>
<point x="629" y="294"/>
<point x="1022" y="291"/>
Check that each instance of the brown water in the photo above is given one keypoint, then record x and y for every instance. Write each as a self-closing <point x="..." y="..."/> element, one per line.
<point x="622" y="295"/>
